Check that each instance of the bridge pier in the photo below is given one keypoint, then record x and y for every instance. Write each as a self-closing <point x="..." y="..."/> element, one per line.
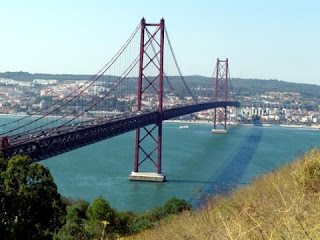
<point x="154" y="134"/>
<point x="147" y="177"/>
<point x="219" y="131"/>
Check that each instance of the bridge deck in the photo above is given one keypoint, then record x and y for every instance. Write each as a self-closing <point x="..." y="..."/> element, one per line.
<point x="51" y="142"/>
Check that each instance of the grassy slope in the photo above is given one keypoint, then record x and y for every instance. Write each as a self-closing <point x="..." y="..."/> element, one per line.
<point x="284" y="204"/>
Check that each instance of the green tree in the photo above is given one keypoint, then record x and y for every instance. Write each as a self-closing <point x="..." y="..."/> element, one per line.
<point x="175" y="205"/>
<point x="101" y="211"/>
<point x="123" y="222"/>
<point x="75" y="227"/>
<point x="77" y="210"/>
<point x="30" y="206"/>
<point x="72" y="230"/>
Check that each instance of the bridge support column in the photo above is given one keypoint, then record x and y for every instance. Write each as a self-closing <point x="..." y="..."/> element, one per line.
<point x="147" y="151"/>
<point x="221" y="94"/>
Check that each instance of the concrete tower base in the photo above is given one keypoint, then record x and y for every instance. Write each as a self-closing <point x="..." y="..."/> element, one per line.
<point x="219" y="131"/>
<point x="147" y="177"/>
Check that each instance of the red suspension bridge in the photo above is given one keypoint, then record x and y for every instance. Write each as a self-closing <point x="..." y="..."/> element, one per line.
<point x="136" y="81"/>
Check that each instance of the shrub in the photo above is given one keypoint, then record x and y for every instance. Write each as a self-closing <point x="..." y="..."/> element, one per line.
<point x="123" y="222"/>
<point x="77" y="210"/>
<point x="175" y="205"/>
<point x="101" y="211"/>
<point x="309" y="176"/>
<point x="72" y="230"/>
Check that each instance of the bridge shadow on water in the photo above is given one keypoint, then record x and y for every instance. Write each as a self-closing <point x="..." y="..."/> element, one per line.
<point x="188" y="181"/>
<point x="232" y="171"/>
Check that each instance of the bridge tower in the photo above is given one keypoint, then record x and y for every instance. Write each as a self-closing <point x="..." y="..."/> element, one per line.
<point x="147" y="83"/>
<point x="221" y="94"/>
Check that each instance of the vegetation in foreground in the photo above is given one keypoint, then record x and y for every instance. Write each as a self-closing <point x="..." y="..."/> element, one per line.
<point x="100" y="221"/>
<point x="284" y="204"/>
<point x="31" y="208"/>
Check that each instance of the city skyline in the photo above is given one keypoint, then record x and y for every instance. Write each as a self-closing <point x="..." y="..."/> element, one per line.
<point x="271" y="40"/>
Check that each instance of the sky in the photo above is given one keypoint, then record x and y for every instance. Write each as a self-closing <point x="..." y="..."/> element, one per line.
<point x="271" y="39"/>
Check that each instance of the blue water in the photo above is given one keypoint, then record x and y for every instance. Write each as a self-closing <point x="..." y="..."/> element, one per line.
<point x="194" y="160"/>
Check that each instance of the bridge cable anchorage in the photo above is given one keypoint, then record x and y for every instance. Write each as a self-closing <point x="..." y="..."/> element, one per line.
<point x="177" y="65"/>
<point x="126" y="73"/>
<point x="93" y="79"/>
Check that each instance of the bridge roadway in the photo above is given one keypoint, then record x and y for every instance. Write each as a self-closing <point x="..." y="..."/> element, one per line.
<point x="51" y="142"/>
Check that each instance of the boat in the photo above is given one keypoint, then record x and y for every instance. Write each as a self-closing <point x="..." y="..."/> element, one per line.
<point x="184" y="126"/>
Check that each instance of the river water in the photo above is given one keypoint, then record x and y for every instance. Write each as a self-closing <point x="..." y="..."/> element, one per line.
<point x="194" y="160"/>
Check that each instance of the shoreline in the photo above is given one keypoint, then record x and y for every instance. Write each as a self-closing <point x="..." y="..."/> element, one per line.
<point x="203" y="122"/>
<point x="189" y="121"/>
<point x="246" y="124"/>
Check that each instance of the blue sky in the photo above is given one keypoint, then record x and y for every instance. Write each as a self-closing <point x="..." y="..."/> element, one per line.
<point x="270" y="39"/>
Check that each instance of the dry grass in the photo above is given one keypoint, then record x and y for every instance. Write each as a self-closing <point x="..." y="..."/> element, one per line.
<point x="284" y="204"/>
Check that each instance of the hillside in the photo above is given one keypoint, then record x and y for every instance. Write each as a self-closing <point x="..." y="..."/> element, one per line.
<point x="244" y="87"/>
<point x="25" y="76"/>
<point x="280" y="205"/>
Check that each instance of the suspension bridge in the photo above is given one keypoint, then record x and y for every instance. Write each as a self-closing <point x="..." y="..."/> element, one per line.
<point x="142" y="81"/>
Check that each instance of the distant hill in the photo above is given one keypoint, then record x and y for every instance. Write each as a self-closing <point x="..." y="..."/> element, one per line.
<point x="245" y="87"/>
<point x="25" y="76"/>
<point x="261" y="86"/>
<point x="258" y="86"/>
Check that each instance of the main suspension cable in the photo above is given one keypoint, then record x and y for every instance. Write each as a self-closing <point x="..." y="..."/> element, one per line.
<point x="177" y="65"/>
<point x="97" y="76"/>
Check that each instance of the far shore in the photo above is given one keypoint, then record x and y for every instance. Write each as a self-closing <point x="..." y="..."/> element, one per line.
<point x="313" y="127"/>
